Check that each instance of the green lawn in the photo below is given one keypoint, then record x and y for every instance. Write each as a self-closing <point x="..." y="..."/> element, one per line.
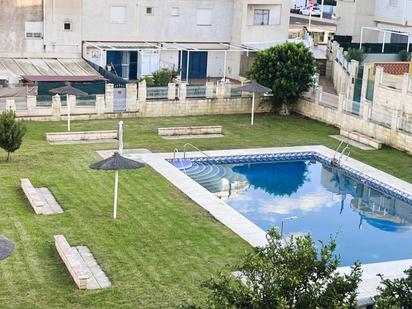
<point x="162" y="246"/>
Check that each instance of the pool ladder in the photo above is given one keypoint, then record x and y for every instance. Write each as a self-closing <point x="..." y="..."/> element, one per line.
<point x="175" y="153"/>
<point x="341" y="154"/>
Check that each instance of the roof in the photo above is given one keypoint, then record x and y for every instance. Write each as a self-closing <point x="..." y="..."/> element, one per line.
<point x="54" y="78"/>
<point x="46" y="67"/>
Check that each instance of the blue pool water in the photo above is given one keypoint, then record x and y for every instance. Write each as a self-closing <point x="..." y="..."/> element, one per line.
<point x="368" y="225"/>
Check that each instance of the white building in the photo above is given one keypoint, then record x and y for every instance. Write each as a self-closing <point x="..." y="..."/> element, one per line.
<point x="201" y="38"/>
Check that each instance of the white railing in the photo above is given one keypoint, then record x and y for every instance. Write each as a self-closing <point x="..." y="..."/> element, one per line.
<point x="352" y="107"/>
<point x="381" y="116"/>
<point x="328" y="100"/>
<point x="157" y="93"/>
<point x="196" y="91"/>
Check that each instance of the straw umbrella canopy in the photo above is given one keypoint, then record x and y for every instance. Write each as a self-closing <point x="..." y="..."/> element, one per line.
<point x="6" y="247"/>
<point x="68" y="90"/>
<point x="116" y="163"/>
<point x="254" y="88"/>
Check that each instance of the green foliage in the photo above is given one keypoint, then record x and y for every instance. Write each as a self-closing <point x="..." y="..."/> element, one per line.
<point x="148" y="79"/>
<point x="355" y="54"/>
<point x="11" y="132"/>
<point x="163" y="77"/>
<point x="404" y="55"/>
<point x="287" y="69"/>
<point x="285" y="275"/>
<point x="395" y="294"/>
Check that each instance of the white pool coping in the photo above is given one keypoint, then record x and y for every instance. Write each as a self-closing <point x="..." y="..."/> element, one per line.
<point x="249" y="231"/>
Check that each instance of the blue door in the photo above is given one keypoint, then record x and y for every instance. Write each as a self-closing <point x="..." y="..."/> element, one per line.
<point x="114" y="59"/>
<point x="197" y="65"/>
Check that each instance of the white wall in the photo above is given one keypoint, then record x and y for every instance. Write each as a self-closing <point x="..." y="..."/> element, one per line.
<point x="397" y="12"/>
<point x="215" y="64"/>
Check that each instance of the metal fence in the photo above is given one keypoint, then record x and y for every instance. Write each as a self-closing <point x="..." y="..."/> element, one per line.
<point x="196" y="91"/>
<point x="329" y="100"/>
<point x="235" y="91"/>
<point x="381" y="116"/>
<point x="157" y="93"/>
<point x="406" y="124"/>
<point x="89" y="100"/>
<point x="370" y="89"/>
<point x="352" y="107"/>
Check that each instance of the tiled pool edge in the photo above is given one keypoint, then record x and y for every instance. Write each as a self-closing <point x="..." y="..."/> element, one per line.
<point x="254" y="235"/>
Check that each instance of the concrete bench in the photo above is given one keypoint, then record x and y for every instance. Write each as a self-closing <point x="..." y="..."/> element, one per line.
<point x="194" y="130"/>
<point x="81" y="265"/>
<point x="40" y="199"/>
<point x="87" y="136"/>
<point x="361" y="138"/>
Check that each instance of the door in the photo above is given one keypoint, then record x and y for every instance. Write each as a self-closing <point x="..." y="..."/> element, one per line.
<point x="197" y="65"/>
<point x="114" y="59"/>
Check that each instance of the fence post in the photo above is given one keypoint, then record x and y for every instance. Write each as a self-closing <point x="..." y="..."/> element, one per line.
<point x="31" y="104"/>
<point x="109" y="97"/>
<point x="365" y="106"/>
<point x="396" y="118"/>
<point x="10" y="104"/>
<point x="100" y="108"/>
<point x="72" y="102"/>
<point x="182" y="91"/>
<point x="341" y="103"/>
<point x="171" y="91"/>
<point x="220" y="90"/>
<point x="142" y="92"/>
<point x="131" y="97"/>
<point x="365" y="80"/>
<point x="227" y="89"/>
<point x="56" y="107"/>
<point x="210" y="87"/>
<point x="318" y="94"/>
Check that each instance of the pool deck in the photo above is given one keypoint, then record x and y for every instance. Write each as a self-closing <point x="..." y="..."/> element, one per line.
<point x="249" y="231"/>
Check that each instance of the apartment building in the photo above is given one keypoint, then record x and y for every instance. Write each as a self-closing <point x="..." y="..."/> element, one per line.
<point x="388" y="21"/>
<point x="200" y="38"/>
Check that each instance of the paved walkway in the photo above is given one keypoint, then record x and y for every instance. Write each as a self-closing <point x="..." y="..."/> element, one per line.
<point x="327" y="85"/>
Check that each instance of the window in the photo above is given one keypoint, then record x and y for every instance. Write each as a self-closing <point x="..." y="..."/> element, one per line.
<point x="67" y="26"/>
<point x="393" y="3"/>
<point x="33" y="30"/>
<point x="149" y="10"/>
<point x="175" y="11"/>
<point x="118" y="14"/>
<point x="261" y="17"/>
<point x="204" y="17"/>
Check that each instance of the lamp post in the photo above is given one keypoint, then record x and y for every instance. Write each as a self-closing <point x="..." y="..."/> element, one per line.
<point x="282" y="222"/>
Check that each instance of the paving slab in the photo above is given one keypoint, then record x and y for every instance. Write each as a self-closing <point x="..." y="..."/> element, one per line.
<point x="351" y="142"/>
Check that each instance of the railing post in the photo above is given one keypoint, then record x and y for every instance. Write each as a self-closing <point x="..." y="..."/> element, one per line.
<point x="365" y="106"/>
<point x="109" y="98"/>
<point x="72" y="102"/>
<point x="11" y="104"/>
<point x="210" y="87"/>
<point x="31" y="104"/>
<point x="142" y="92"/>
<point x="220" y="90"/>
<point x="365" y="80"/>
<point x="396" y="118"/>
<point x="131" y="97"/>
<point x="318" y="94"/>
<point x="56" y="107"/>
<point x="100" y="108"/>
<point x="227" y="89"/>
<point x="182" y="91"/>
<point x="341" y="103"/>
<point x="171" y="91"/>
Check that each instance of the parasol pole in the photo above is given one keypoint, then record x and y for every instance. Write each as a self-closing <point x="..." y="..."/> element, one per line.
<point x="116" y="189"/>
<point x="253" y="109"/>
<point x="68" y="112"/>
<point x="121" y="137"/>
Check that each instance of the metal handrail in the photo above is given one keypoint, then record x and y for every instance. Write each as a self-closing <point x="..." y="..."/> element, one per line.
<point x="343" y="153"/>
<point x="337" y="150"/>
<point x="176" y="151"/>
<point x="194" y="147"/>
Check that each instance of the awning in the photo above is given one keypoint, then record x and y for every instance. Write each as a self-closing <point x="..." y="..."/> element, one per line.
<point x="53" y="78"/>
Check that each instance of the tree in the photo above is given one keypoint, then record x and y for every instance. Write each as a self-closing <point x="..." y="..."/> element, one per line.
<point x="286" y="274"/>
<point x="12" y="132"/>
<point x="287" y="69"/>
<point x="395" y="294"/>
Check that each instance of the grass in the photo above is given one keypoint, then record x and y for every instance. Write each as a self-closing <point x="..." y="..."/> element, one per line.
<point x="162" y="246"/>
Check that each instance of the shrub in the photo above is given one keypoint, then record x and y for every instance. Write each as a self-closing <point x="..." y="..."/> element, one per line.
<point x="395" y="294"/>
<point x="355" y="54"/>
<point x="12" y="132"/>
<point x="404" y="55"/>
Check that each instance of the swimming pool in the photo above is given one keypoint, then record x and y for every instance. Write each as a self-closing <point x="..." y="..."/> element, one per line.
<point x="371" y="221"/>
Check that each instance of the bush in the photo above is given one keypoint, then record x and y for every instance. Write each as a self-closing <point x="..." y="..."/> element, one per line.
<point x="404" y="55"/>
<point x="395" y="294"/>
<point x="355" y="54"/>
<point x="287" y="69"/>
<point x="12" y="132"/>
<point x="283" y="275"/>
